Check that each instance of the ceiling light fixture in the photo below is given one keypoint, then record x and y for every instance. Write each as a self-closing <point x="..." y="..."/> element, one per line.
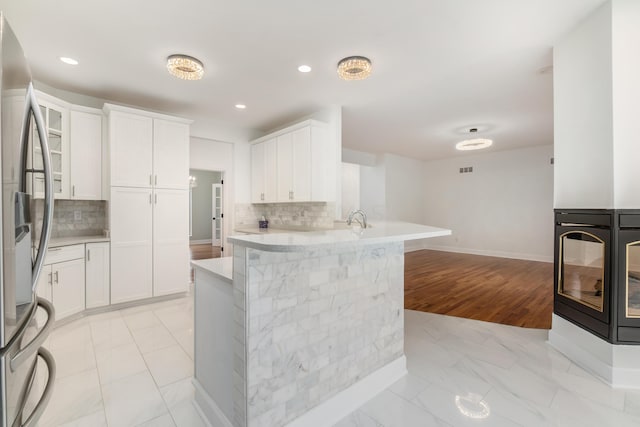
<point x="185" y="67"/>
<point x="354" y="68"/>
<point x="241" y="106"/>
<point x="473" y="144"/>
<point x="68" y="60"/>
<point x="304" y="68"/>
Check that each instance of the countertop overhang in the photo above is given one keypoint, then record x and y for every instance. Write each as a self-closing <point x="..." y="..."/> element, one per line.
<point x="380" y="232"/>
<point x="222" y="268"/>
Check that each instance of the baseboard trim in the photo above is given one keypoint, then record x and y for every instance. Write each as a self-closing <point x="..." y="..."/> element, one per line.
<point x="200" y="242"/>
<point x="617" y="365"/>
<point x="499" y="254"/>
<point x="342" y="404"/>
<point x="207" y="407"/>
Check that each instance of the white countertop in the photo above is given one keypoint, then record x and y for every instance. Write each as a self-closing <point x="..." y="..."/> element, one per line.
<point x="220" y="267"/>
<point x="257" y="230"/>
<point x="380" y="232"/>
<point x="55" y="242"/>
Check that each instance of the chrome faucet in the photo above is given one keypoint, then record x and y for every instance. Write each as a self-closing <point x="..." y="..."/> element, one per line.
<point x="352" y="218"/>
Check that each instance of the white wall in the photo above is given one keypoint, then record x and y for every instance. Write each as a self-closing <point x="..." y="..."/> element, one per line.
<point x="583" y="130"/>
<point x="350" y="188"/>
<point x="503" y="208"/>
<point x="372" y="191"/>
<point x="404" y="200"/>
<point x="626" y="102"/>
<point x="206" y="154"/>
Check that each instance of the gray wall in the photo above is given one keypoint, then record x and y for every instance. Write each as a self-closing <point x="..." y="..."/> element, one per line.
<point x="201" y="203"/>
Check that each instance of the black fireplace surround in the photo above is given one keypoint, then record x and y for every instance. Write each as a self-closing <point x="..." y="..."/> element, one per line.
<point x="597" y="271"/>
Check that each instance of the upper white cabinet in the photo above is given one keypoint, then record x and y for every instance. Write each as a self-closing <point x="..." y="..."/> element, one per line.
<point x="170" y="158"/>
<point x="147" y="150"/>
<point x="294" y="165"/>
<point x="131" y="149"/>
<point x="56" y="120"/>
<point x="86" y="153"/>
<point x="264" y="172"/>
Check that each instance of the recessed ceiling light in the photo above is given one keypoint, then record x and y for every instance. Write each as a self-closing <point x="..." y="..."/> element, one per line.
<point x="241" y="106"/>
<point x="304" y="68"/>
<point x="68" y="60"/>
<point x="474" y="143"/>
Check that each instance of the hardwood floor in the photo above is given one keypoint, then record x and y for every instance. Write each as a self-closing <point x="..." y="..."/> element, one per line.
<point x="204" y="251"/>
<point x="507" y="291"/>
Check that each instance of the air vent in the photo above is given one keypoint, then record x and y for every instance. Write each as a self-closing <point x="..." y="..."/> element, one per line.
<point x="467" y="169"/>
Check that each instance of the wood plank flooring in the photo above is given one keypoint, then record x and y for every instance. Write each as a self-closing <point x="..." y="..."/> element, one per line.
<point x="204" y="251"/>
<point x="500" y="290"/>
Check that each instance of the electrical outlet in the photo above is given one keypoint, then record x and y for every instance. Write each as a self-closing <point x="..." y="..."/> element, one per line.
<point x="77" y="215"/>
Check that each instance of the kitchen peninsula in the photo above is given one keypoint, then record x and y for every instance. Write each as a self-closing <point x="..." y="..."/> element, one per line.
<point x="309" y="326"/>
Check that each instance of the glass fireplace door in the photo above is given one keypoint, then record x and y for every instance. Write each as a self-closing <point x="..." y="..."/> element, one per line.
<point x="582" y="269"/>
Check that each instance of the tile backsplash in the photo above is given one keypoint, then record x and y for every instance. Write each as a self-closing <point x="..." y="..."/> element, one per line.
<point x="91" y="220"/>
<point x="309" y="215"/>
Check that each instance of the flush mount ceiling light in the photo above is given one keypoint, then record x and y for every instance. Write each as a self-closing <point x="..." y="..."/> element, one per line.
<point x="185" y="67"/>
<point x="304" y="69"/>
<point x="473" y="144"/>
<point x="241" y="106"/>
<point x="354" y="68"/>
<point x="68" y="60"/>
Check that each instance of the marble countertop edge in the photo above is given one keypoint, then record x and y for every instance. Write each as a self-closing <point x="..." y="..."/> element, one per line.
<point x="380" y="232"/>
<point x="56" y="242"/>
<point x="222" y="268"/>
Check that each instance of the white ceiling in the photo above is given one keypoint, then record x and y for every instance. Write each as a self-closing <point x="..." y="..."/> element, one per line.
<point x="439" y="66"/>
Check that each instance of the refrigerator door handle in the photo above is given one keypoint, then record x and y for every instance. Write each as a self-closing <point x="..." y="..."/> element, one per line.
<point x="31" y="105"/>
<point x="26" y="352"/>
<point x="46" y="394"/>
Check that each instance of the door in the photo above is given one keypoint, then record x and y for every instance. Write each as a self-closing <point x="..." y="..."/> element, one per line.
<point x="170" y="154"/>
<point x="301" y="165"/>
<point x="131" y="244"/>
<point x="45" y="282"/>
<point x="170" y="241"/>
<point x="131" y="145"/>
<point x="258" y="172"/>
<point x="68" y="287"/>
<point x="97" y="274"/>
<point x="284" y="168"/>
<point x="216" y="209"/>
<point x="86" y="155"/>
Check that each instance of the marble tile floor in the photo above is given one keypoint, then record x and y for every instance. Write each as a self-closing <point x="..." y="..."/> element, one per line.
<point x="133" y="367"/>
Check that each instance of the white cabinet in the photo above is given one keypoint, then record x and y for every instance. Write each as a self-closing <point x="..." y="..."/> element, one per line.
<point x="56" y="121"/>
<point x="170" y="242"/>
<point x="62" y="280"/>
<point x="131" y="149"/>
<point x="302" y="170"/>
<point x="264" y="172"/>
<point x="170" y="158"/>
<point x="131" y="244"/>
<point x="97" y="274"/>
<point x="86" y="154"/>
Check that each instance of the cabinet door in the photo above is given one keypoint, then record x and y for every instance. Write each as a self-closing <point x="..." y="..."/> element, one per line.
<point x="170" y="241"/>
<point x="284" y="169"/>
<point x="44" y="291"/>
<point x="86" y="155"/>
<point x="97" y="274"/>
<point x="131" y="244"/>
<point x="131" y="147"/>
<point x="257" y="172"/>
<point x="68" y="287"/>
<point x="170" y="154"/>
<point x="301" y="165"/>
<point x="271" y="166"/>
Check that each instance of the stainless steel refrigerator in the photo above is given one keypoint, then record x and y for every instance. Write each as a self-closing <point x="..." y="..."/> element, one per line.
<point x="23" y="244"/>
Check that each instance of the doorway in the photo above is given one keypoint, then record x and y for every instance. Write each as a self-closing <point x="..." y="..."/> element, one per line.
<point x="205" y="213"/>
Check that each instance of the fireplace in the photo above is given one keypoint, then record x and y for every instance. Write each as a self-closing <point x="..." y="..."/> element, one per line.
<point x="597" y="272"/>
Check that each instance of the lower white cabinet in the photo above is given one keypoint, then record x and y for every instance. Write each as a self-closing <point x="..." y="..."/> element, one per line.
<point x="62" y="280"/>
<point x="131" y="244"/>
<point x="170" y="241"/>
<point x="97" y="273"/>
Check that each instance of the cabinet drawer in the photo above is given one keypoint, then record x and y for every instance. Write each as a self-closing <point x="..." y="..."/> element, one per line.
<point x="64" y="253"/>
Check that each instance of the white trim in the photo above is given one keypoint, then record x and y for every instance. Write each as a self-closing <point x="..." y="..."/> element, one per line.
<point x="115" y="109"/>
<point x="200" y="242"/>
<point x="207" y="407"/>
<point x="288" y="129"/>
<point x="342" y="404"/>
<point x="499" y="254"/>
<point x="617" y="365"/>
